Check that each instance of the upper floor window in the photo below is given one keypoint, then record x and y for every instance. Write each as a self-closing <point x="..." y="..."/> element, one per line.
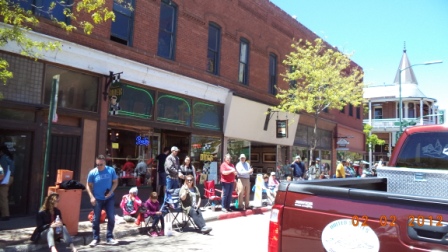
<point x="292" y="83"/>
<point x="378" y="113"/>
<point x="214" y="40"/>
<point x="358" y="112"/>
<point x="343" y="110"/>
<point x="47" y="8"/>
<point x="121" y="29"/>
<point x="272" y="73"/>
<point x="167" y="29"/>
<point x="243" y="70"/>
<point x="350" y="109"/>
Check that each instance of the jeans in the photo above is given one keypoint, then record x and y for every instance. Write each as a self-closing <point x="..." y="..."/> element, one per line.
<point x="227" y="189"/>
<point x="196" y="215"/>
<point x="170" y="184"/>
<point x="155" y="220"/>
<point x="48" y="236"/>
<point x="108" y="206"/>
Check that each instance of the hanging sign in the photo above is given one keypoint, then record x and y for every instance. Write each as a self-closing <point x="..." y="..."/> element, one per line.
<point x="282" y="128"/>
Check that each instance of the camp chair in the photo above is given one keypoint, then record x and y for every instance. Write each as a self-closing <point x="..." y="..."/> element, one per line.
<point x="209" y="194"/>
<point x="173" y="207"/>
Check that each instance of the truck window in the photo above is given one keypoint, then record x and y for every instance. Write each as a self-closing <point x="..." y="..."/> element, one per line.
<point x="425" y="150"/>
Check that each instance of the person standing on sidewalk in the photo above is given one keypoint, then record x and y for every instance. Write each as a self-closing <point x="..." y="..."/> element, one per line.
<point x="161" y="158"/>
<point x="243" y="185"/>
<point x="101" y="184"/>
<point x="228" y="173"/>
<point x="7" y="163"/>
<point x="46" y="223"/>
<point x="298" y="169"/>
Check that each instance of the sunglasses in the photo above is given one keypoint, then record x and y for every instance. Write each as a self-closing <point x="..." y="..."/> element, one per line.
<point x="189" y="180"/>
<point x="99" y="164"/>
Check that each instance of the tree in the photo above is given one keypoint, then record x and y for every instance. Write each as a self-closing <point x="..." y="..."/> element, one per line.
<point x="325" y="79"/>
<point x="18" y="21"/>
<point x="371" y="140"/>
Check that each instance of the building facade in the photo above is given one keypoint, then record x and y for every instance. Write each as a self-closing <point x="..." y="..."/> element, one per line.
<point x="199" y="75"/>
<point x="384" y="108"/>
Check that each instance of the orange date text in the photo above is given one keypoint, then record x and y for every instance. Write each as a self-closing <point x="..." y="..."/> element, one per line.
<point x="413" y="220"/>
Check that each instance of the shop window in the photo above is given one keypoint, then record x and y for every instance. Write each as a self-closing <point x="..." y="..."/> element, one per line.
<point x="76" y="90"/>
<point x="134" y="101"/>
<point x="121" y="28"/>
<point x="243" y="71"/>
<point x="173" y="109"/>
<point x="205" y="149"/>
<point x="272" y="73"/>
<point x="167" y="29"/>
<point x="26" y="84"/>
<point x="42" y="8"/>
<point x="214" y="41"/>
<point x="207" y="116"/>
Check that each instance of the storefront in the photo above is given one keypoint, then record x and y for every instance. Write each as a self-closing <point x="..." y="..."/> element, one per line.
<point x="249" y="131"/>
<point x="142" y="121"/>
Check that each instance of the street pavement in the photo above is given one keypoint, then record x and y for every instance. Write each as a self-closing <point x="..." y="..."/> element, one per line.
<point x="238" y="234"/>
<point x="15" y="234"/>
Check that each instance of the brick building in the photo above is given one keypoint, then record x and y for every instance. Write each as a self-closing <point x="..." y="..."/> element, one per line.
<point x="196" y="74"/>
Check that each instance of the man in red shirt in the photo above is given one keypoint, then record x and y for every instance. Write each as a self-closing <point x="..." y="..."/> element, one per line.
<point x="129" y="166"/>
<point x="228" y="173"/>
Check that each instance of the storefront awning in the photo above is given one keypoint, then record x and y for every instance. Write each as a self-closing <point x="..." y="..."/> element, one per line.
<point x="245" y="119"/>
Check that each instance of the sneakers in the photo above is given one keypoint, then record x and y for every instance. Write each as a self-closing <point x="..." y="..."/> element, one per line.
<point x="161" y="233"/>
<point x="224" y="210"/>
<point x="154" y="234"/>
<point x="206" y="230"/>
<point x="111" y="241"/>
<point x="93" y="243"/>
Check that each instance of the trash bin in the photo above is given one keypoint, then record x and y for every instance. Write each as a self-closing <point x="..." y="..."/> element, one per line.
<point x="70" y="206"/>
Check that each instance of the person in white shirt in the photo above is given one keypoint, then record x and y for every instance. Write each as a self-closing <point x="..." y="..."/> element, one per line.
<point x="244" y="171"/>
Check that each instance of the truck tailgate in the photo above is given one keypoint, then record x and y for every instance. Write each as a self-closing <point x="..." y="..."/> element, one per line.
<point x="326" y="218"/>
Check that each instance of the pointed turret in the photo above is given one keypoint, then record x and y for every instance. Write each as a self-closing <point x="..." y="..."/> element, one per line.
<point x="407" y="76"/>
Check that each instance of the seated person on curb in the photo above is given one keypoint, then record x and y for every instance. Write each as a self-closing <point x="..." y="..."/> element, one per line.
<point x="153" y="209"/>
<point x="265" y="189"/>
<point x="191" y="201"/>
<point x="273" y="184"/>
<point x="130" y="204"/>
<point x="47" y="224"/>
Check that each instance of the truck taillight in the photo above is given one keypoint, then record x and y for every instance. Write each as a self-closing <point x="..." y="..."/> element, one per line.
<point x="274" y="229"/>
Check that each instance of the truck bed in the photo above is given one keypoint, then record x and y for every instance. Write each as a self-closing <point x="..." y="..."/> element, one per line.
<point x="359" y="215"/>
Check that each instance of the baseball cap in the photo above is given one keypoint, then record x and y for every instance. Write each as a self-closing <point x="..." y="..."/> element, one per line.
<point x="174" y="148"/>
<point x="242" y="156"/>
<point x="272" y="173"/>
<point x="297" y="157"/>
<point x="317" y="159"/>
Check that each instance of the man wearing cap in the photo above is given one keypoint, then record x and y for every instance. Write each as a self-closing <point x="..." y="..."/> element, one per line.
<point x="320" y="166"/>
<point x="172" y="169"/>
<point x="243" y="185"/>
<point x="340" y="170"/>
<point x="298" y="169"/>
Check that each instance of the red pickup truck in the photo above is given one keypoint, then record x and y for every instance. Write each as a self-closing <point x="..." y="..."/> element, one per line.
<point x="359" y="214"/>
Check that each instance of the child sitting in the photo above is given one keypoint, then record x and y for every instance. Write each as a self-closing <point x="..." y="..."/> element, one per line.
<point x="153" y="210"/>
<point x="130" y="204"/>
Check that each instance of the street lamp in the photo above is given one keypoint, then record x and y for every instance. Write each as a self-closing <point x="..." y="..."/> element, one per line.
<point x="399" y="84"/>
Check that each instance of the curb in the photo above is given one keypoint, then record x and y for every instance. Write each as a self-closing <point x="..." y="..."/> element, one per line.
<point x="83" y="239"/>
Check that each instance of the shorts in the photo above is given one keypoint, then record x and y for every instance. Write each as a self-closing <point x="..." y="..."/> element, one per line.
<point x="162" y="178"/>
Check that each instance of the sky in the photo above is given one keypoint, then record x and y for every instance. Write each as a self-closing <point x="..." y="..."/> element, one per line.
<point x="375" y="31"/>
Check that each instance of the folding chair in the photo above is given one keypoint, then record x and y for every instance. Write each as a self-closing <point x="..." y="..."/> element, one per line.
<point x="173" y="206"/>
<point x="209" y="194"/>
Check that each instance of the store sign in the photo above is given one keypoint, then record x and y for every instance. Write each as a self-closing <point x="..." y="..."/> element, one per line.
<point x="282" y="128"/>
<point x="206" y="156"/>
<point x="142" y="141"/>
<point x="115" y="146"/>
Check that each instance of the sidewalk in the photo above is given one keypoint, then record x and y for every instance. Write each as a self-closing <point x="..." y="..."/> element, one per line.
<point x="15" y="234"/>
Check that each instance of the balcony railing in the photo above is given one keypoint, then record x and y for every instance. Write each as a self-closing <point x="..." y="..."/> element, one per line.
<point x="394" y="123"/>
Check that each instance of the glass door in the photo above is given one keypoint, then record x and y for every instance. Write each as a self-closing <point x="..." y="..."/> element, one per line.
<point x="19" y="144"/>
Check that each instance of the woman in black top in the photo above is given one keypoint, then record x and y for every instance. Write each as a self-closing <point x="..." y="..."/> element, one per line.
<point x="46" y="224"/>
<point x="186" y="169"/>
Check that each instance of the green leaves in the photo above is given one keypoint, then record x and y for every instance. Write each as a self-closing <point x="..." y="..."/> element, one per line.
<point x="19" y="21"/>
